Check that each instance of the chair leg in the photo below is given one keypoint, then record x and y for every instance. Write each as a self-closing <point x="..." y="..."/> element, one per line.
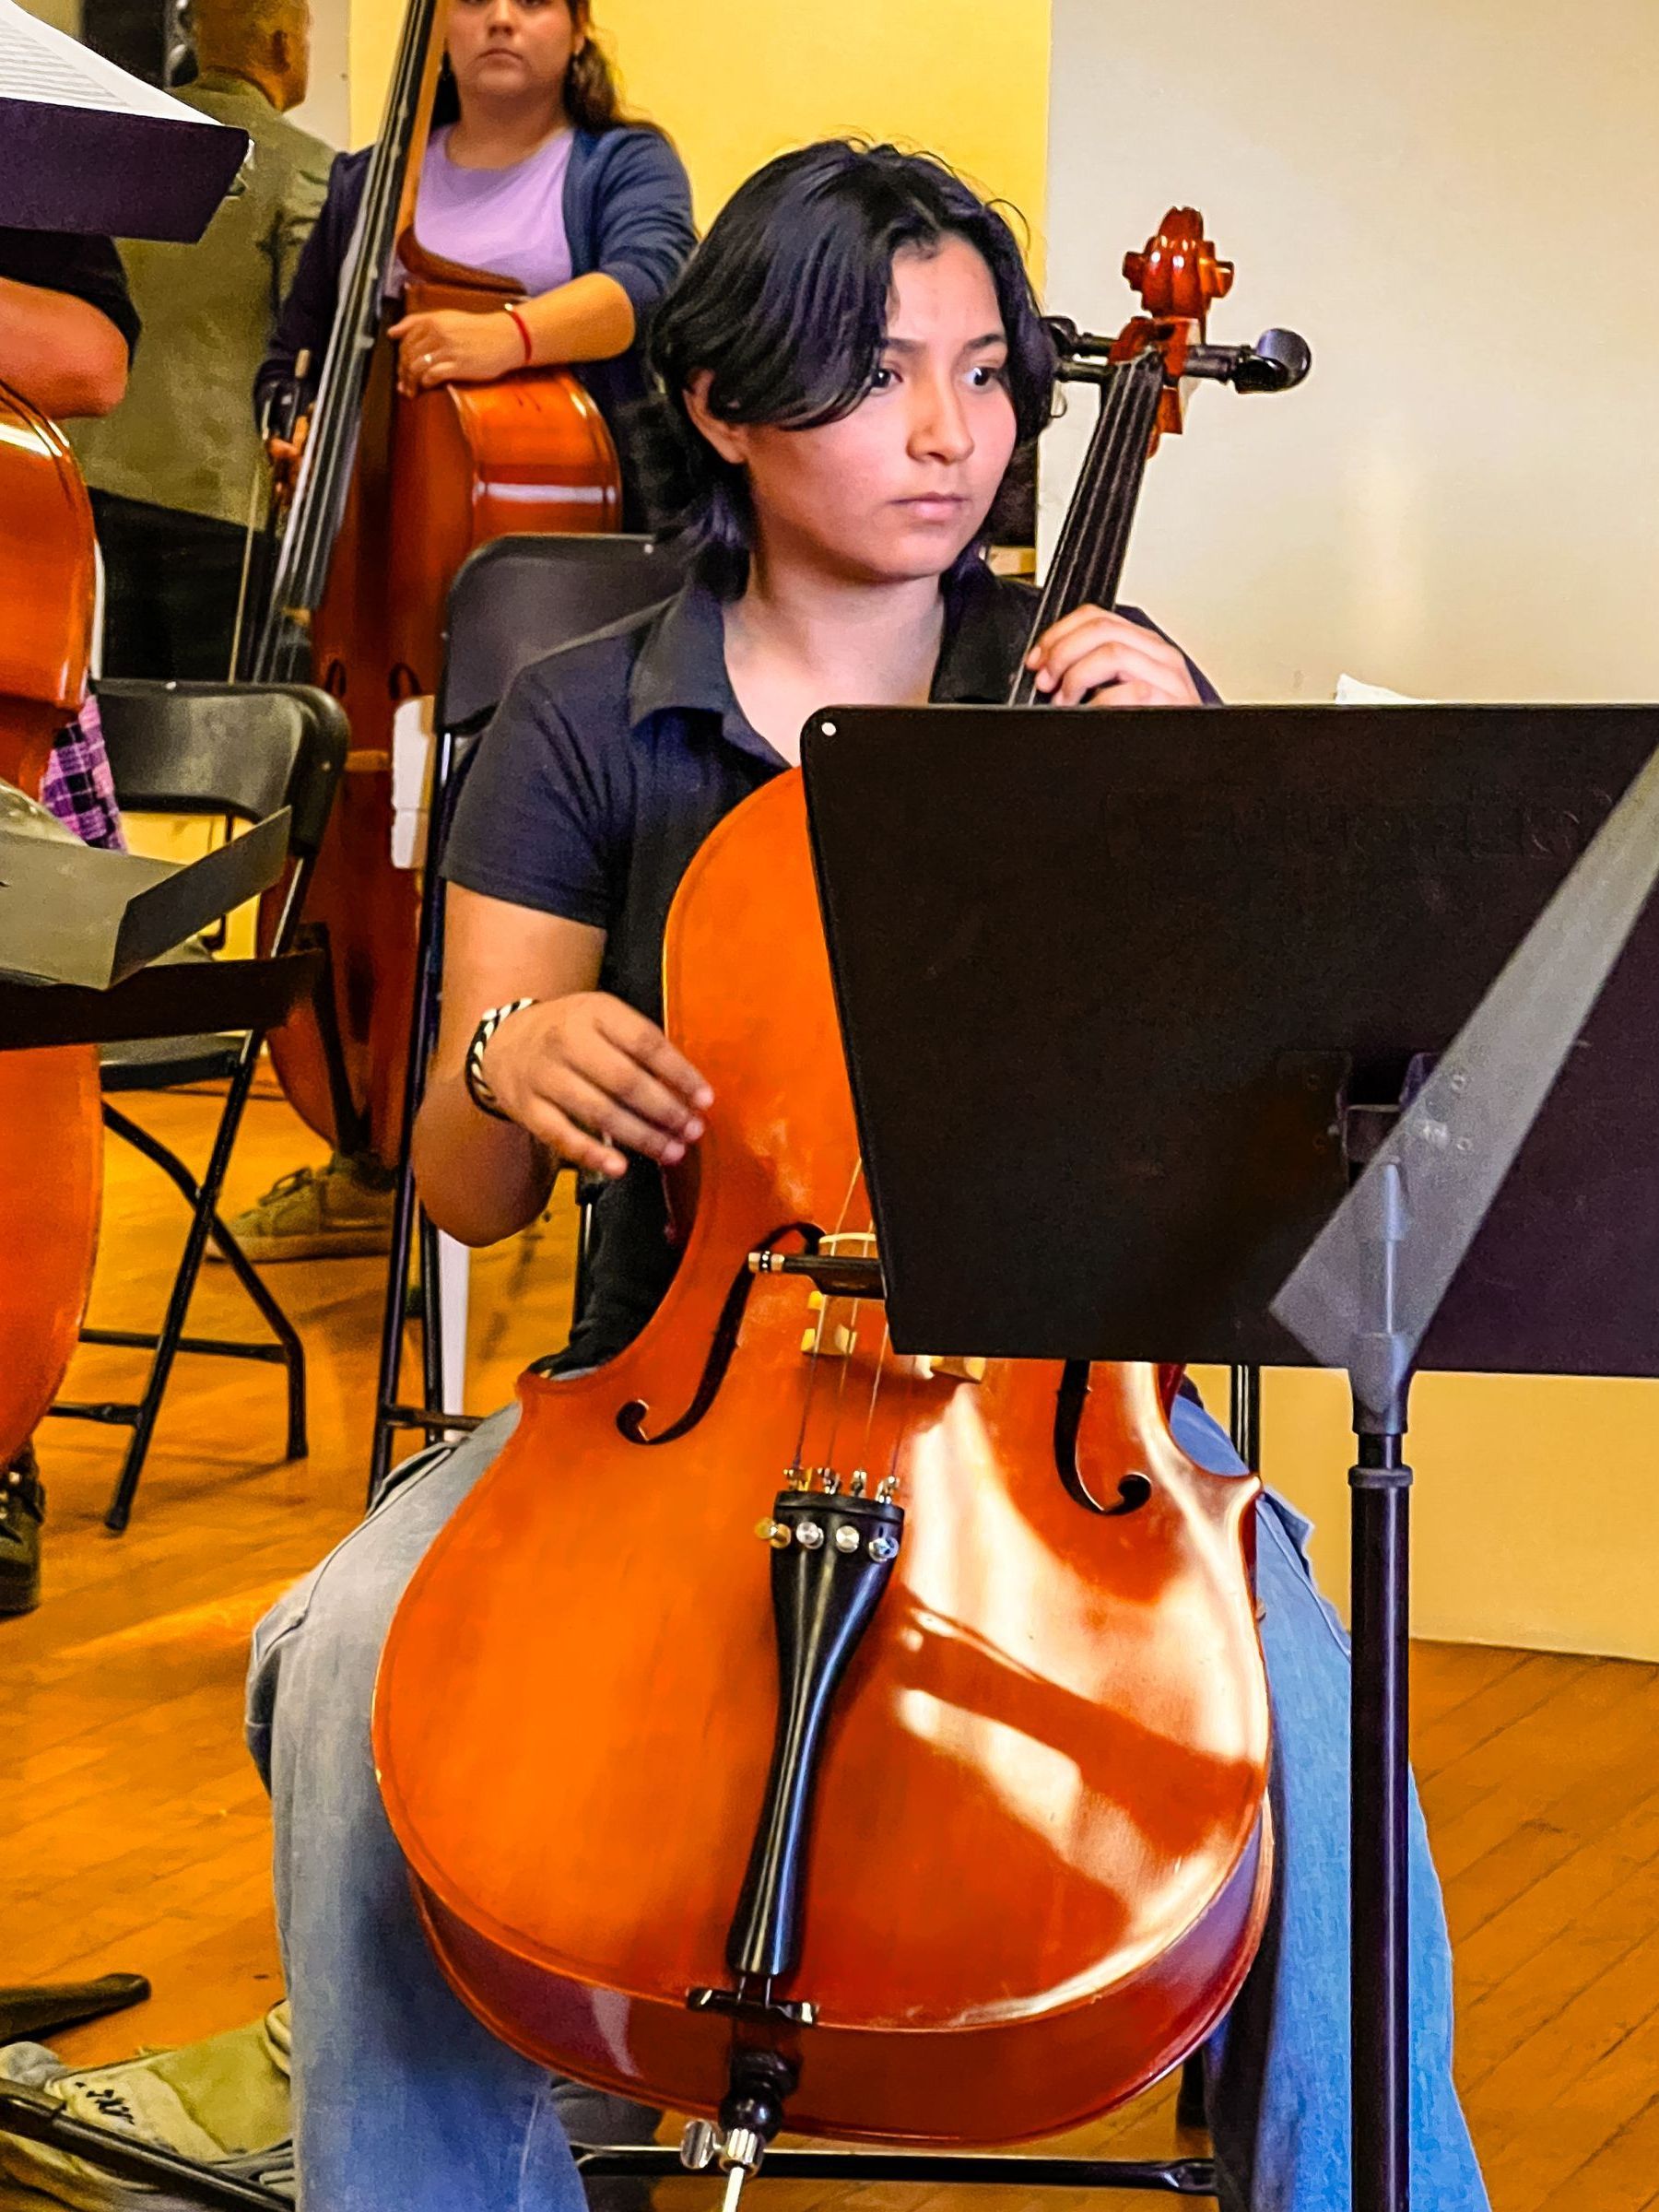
<point x="432" y="1317"/>
<point x="423" y="1034"/>
<point x="392" y="1323"/>
<point x="280" y="1326"/>
<point x="1190" y="2110"/>
<point x="202" y="1200"/>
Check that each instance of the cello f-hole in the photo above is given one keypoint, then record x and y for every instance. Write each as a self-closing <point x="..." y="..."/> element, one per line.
<point x="1133" y="1490"/>
<point x="630" y="1418"/>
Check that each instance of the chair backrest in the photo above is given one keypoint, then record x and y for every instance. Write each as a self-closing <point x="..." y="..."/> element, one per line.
<point x="519" y="598"/>
<point x="236" y="750"/>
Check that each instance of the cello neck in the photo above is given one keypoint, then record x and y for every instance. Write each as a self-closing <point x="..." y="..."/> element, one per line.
<point x="1088" y="566"/>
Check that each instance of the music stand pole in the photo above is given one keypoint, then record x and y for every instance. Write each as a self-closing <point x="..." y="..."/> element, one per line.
<point x="1380" y="1577"/>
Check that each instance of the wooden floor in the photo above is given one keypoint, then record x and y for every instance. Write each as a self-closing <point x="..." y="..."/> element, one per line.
<point x="136" y="1836"/>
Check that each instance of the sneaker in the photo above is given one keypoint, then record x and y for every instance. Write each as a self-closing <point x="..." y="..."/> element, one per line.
<point x="342" y="1211"/>
<point x="22" y="1510"/>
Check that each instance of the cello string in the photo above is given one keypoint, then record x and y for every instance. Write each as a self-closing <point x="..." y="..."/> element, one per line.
<point x="887" y="1338"/>
<point x="857" y="1306"/>
<point x="817" y="1334"/>
<point x="1104" y="467"/>
<point x="1094" y="497"/>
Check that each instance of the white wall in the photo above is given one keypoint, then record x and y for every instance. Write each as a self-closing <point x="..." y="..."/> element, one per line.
<point x="1456" y="200"/>
<point x="326" y="108"/>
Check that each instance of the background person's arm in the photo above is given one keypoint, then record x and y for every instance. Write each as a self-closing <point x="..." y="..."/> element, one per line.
<point x="60" y="352"/>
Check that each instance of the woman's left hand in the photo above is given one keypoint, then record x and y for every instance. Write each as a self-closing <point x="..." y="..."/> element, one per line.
<point x="449" y="346"/>
<point x="1120" y="662"/>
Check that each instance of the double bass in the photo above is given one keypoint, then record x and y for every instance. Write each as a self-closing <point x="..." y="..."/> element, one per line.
<point x="393" y="491"/>
<point x="49" y="1206"/>
<point x="782" y="1728"/>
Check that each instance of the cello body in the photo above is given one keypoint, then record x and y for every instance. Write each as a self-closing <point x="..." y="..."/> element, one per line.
<point x="48" y="1221"/>
<point x="1038" y="1856"/>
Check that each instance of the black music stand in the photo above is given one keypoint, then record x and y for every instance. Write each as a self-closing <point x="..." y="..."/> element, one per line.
<point x="1151" y="993"/>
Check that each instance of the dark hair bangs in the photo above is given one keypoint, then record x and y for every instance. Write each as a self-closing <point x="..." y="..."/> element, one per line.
<point x="784" y="306"/>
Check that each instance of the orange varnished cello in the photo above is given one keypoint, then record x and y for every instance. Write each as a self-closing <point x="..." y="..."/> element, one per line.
<point x="51" y="1124"/>
<point x="393" y="492"/>
<point x="784" y="1727"/>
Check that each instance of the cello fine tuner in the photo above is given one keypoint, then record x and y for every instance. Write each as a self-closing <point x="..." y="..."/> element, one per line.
<point x="828" y="1480"/>
<point x="775" y="1532"/>
<point x="797" y="1477"/>
<point x="886" y="1490"/>
<point x="857" y="1483"/>
<point x="700" y="2146"/>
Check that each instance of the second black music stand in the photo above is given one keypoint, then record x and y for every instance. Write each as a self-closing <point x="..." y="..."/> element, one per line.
<point x="1128" y="1003"/>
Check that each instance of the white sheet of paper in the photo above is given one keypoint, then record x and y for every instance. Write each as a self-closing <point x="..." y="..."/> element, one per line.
<point x="51" y="69"/>
<point x="1351" y="692"/>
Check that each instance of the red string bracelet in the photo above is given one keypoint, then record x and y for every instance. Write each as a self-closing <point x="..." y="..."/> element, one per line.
<point x="524" y="330"/>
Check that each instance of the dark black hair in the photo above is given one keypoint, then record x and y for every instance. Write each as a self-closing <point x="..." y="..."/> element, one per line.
<point x="785" y="305"/>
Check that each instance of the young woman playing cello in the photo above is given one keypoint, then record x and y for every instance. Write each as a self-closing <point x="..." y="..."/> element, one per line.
<point x="849" y="360"/>
<point x="534" y="172"/>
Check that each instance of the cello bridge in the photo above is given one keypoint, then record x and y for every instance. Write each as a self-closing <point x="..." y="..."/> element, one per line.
<point x="831" y="1331"/>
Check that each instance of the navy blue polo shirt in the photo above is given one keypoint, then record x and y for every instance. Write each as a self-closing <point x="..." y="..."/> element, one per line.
<point x="606" y="767"/>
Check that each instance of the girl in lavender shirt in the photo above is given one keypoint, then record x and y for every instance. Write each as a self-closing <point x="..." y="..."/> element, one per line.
<point x="533" y="172"/>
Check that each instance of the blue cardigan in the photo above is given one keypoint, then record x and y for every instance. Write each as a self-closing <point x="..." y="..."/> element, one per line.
<point x="627" y="215"/>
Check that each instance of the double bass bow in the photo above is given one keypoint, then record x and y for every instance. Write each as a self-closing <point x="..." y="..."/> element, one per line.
<point x="49" y="1210"/>
<point x="393" y="491"/>
<point x="783" y="1728"/>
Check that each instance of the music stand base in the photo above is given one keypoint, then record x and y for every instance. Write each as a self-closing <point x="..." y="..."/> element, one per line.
<point x="1157" y="2177"/>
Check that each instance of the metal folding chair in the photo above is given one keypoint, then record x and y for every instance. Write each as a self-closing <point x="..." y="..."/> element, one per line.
<point x="236" y="752"/>
<point x="516" y="601"/>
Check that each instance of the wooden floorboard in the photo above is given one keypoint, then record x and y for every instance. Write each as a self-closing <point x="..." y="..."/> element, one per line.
<point x="138" y="1836"/>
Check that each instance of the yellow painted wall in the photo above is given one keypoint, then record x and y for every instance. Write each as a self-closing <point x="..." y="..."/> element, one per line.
<point x="737" y="82"/>
<point x="1533" y="1514"/>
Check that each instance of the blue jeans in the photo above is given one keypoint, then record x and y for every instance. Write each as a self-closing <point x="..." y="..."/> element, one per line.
<point x="404" y="2103"/>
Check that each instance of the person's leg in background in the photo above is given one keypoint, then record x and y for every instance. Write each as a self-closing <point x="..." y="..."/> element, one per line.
<point x="172" y="580"/>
